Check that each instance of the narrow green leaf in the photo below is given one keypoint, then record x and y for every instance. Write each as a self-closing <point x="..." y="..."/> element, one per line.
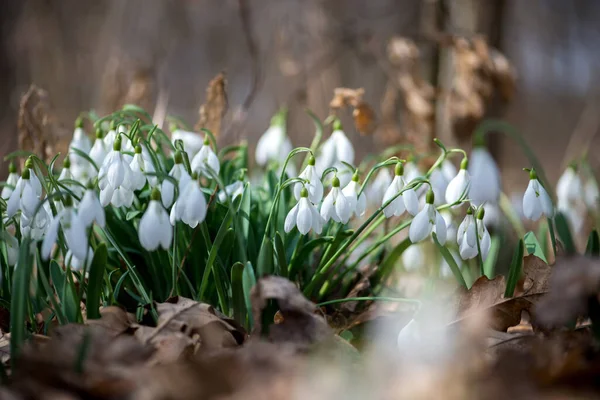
<point x="533" y="246"/>
<point x="593" y="244"/>
<point x="65" y="292"/>
<point x="132" y="214"/>
<point x="451" y="262"/>
<point x="85" y="157"/>
<point x="265" y="264"/>
<point x="564" y="233"/>
<point x="248" y="282"/>
<point x="280" y="252"/>
<point x="95" y="281"/>
<point x="137" y="109"/>
<point x="237" y="293"/>
<point x="19" y="300"/>
<point x="489" y="265"/>
<point x="301" y="257"/>
<point x="212" y="255"/>
<point x="387" y="265"/>
<point x="514" y="273"/>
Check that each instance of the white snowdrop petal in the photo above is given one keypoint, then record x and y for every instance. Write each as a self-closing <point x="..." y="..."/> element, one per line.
<point x="167" y="191"/>
<point x="440" y="228"/>
<point x="342" y="208"/>
<point x="327" y="208"/>
<point x="29" y="200"/>
<point x="51" y="236"/>
<point x="290" y="219"/>
<point x="361" y="205"/>
<point x="420" y="226"/>
<point x="467" y="252"/>
<point x="106" y="195"/>
<point x="485" y="177"/>
<point x="75" y="235"/>
<point x="392" y="207"/>
<point x="304" y="218"/>
<point x="411" y="201"/>
<point x="485" y="244"/>
<point x="545" y="202"/>
<point x="531" y="207"/>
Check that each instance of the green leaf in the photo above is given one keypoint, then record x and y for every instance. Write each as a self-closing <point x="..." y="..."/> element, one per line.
<point x="265" y="264"/>
<point x="132" y="214"/>
<point x="85" y="157"/>
<point x="593" y="244"/>
<point x="533" y="246"/>
<point x="302" y="256"/>
<point x="137" y="109"/>
<point x="65" y="291"/>
<point x="564" y="234"/>
<point x="489" y="265"/>
<point x="95" y="281"/>
<point x="248" y="282"/>
<point x="514" y="272"/>
<point x="280" y="252"/>
<point x="212" y="256"/>
<point x="387" y="265"/>
<point x="17" y="154"/>
<point x="237" y="293"/>
<point x="450" y="260"/>
<point x="19" y="300"/>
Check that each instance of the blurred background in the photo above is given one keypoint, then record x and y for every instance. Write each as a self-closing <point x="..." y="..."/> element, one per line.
<point x="425" y="70"/>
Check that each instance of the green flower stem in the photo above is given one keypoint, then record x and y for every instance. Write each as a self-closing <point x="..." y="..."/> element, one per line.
<point x="552" y="235"/>
<point x="389" y="161"/>
<point x="511" y="214"/>
<point x="314" y="145"/>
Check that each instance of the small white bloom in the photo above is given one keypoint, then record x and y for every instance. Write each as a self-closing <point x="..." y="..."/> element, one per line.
<point x="313" y="184"/>
<point x="36" y="228"/>
<point x="536" y="200"/>
<point x="377" y="188"/>
<point x="233" y="190"/>
<point x="140" y="165"/>
<point x="458" y="187"/>
<point x="179" y="173"/>
<point x="76" y="263"/>
<point x="115" y="179"/>
<point x="336" y="206"/>
<point x="11" y="181"/>
<point x="110" y="137"/>
<point x="192" y="141"/>
<point x="80" y="140"/>
<point x="469" y="232"/>
<point x="304" y="215"/>
<point x="485" y="177"/>
<point x="426" y="221"/>
<point x="407" y="201"/>
<point x="155" y="229"/>
<point x="191" y="205"/>
<point x="91" y="210"/>
<point x="206" y="160"/>
<point x="99" y="149"/>
<point x="73" y="228"/>
<point x="440" y="178"/>
<point x="24" y="196"/>
<point x="569" y="186"/>
<point x="335" y="150"/>
<point x="358" y="204"/>
<point x="273" y="145"/>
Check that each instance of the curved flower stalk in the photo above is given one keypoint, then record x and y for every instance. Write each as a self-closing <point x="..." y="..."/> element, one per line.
<point x="206" y="160"/>
<point x="180" y="174"/>
<point x="304" y="215"/>
<point x="335" y="151"/>
<point x="73" y="228"/>
<point x="232" y="191"/>
<point x="154" y="229"/>
<point x="458" y="188"/>
<point x="115" y="179"/>
<point x="472" y="231"/>
<point x="536" y="200"/>
<point x="407" y="201"/>
<point x="426" y="221"/>
<point x="191" y="205"/>
<point x="335" y="205"/>
<point x="11" y="181"/>
<point x="485" y="177"/>
<point x="358" y="204"/>
<point x="273" y="145"/>
<point x="91" y="210"/>
<point x="24" y="197"/>
<point x="99" y="149"/>
<point x="192" y="141"/>
<point x="440" y="178"/>
<point x="313" y="183"/>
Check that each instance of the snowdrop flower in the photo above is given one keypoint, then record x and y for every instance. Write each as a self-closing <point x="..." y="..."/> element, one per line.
<point x="99" y="149"/>
<point x="24" y="197"/>
<point x="273" y="145"/>
<point x="192" y="141"/>
<point x="377" y="189"/>
<point x="13" y="178"/>
<point x="407" y="201"/>
<point x="36" y="228"/>
<point x="206" y="160"/>
<point x="591" y="193"/>
<point x="191" y="206"/>
<point x="426" y="221"/>
<point x="440" y="178"/>
<point x="232" y="191"/>
<point x="12" y="248"/>
<point x="111" y="136"/>
<point x="335" y="206"/>
<point x="414" y="257"/>
<point x="569" y="186"/>
<point x="115" y="179"/>
<point x="458" y="187"/>
<point x="471" y="230"/>
<point x="154" y="229"/>
<point x="304" y="215"/>
<point x="91" y="210"/>
<point x="358" y="204"/>
<point x="76" y="263"/>
<point x="450" y="225"/>
<point x="485" y="177"/>
<point x="536" y="200"/>
<point x="138" y="169"/>
<point x="80" y="141"/>
<point x="73" y="229"/>
<point x="66" y="174"/>
<point x="335" y="150"/>
<point x="179" y="173"/>
<point x="313" y="184"/>
<point x="127" y="144"/>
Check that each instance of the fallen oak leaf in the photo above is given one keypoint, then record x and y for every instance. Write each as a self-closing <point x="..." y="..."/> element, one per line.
<point x="114" y="319"/>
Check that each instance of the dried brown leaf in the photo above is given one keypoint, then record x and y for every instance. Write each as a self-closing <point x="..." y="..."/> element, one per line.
<point x="215" y="106"/>
<point x="114" y="319"/>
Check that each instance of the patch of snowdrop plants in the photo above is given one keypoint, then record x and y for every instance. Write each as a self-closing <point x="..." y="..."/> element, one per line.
<point x="137" y="216"/>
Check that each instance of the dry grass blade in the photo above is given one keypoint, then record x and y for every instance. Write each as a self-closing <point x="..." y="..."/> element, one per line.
<point x="215" y="106"/>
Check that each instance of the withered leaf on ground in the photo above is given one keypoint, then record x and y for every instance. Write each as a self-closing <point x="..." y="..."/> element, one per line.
<point x="114" y="319"/>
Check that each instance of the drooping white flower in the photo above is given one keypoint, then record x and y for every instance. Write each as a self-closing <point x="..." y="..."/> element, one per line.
<point x="140" y="165"/>
<point x="458" y="187"/>
<point x="232" y="191"/>
<point x="485" y="177"/>
<point x="111" y="136"/>
<point x="471" y="230"/>
<point x="358" y="204"/>
<point x="191" y="206"/>
<point x="179" y="173"/>
<point x="12" y="247"/>
<point x="426" y="221"/>
<point x="536" y="200"/>
<point x="206" y="160"/>
<point x="440" y="178"/>
<point x="192" y="141"/>
<point x="127" y="141"/>
<point x="36" y="227"/>
<point x="80" y="140"/>
<point x="376" y="190"/>
<point x="11" y="181"/>
<point x="335" y="205"/>
<point x="407" y="201"/>
<point x="155" y="229"/>
<point x="91" y="210"/>
<point x="313" y="184"/>
<point x="24" y="197"/>
<point x="569" y="186"/>
<point x="115" y="179"/>
<point x="335" y="150"/>
<point x="273" y="145"/>
<point x="304" y="215"/>
<point x="99" y="149"/>
<point x="73" y="229"/>
<point x="76" y="263"/>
